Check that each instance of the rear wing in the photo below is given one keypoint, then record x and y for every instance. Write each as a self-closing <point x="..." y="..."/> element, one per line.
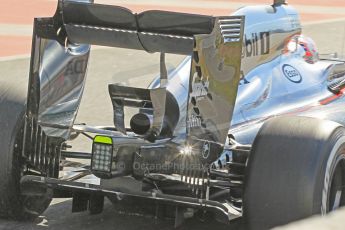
<point x="105" y="25"/>
<point x="60" y="53"/>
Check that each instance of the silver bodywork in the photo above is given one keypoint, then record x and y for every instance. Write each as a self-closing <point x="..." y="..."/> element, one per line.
<point x="264" y="91"/>
<point x="238" y="74"/>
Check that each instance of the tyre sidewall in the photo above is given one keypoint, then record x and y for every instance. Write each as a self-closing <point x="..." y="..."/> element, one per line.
<point x="12" y="117"/>
<point x="337" y="149"/>
<point x="287" y="171"/>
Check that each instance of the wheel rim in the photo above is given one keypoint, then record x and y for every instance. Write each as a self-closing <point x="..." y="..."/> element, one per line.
<point x="337" y="190"/>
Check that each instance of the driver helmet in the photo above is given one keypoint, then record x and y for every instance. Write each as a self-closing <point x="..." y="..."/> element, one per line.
<point x="311" y="54"/>
<point x="306" y="47"/>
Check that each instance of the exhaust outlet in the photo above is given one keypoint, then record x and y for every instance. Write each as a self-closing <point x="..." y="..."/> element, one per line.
<point x="141" y="123"/>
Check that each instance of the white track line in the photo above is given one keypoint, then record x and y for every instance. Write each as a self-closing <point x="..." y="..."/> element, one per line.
<point x="324" y="21"/>
<point x="15" y="30"/>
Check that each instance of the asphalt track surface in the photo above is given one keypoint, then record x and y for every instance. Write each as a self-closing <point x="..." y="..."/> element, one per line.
<point x="134" y="68"/>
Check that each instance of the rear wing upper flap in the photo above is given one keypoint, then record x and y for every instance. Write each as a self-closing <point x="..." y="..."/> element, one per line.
<point x="106" y="25"/>
<point x="154" y="21"/>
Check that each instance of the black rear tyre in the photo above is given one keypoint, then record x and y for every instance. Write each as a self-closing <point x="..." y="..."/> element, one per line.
<point x="296" y="169"/>
<point x="13" y="205"/>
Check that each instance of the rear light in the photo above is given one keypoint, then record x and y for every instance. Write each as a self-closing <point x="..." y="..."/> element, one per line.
<point x="102" y="155"/>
